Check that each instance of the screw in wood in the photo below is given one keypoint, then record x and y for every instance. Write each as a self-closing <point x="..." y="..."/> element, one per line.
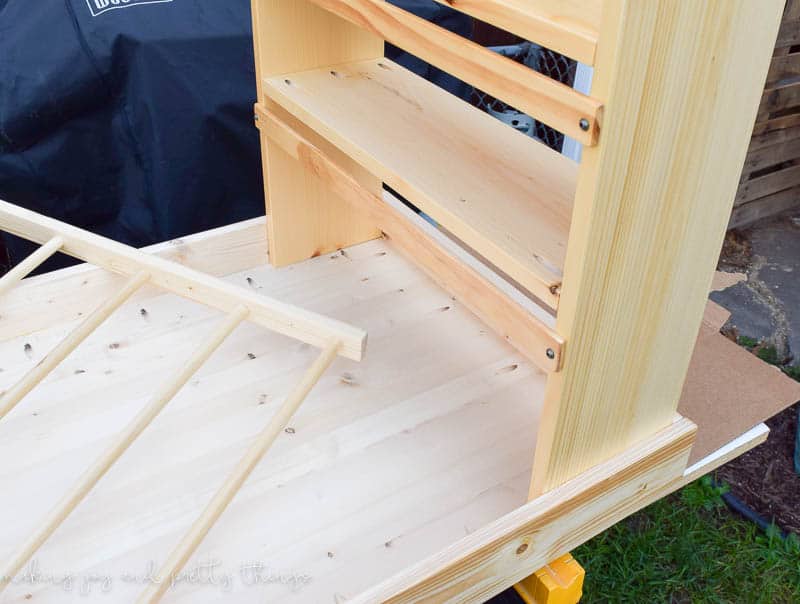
<point x="551" y="354"/>
<point x="584" y="124"/>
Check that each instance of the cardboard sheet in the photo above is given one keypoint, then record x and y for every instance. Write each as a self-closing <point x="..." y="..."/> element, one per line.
<point x="728" y="390"/>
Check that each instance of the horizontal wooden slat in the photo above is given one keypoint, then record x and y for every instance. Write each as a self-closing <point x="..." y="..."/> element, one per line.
<point x="788" y="34"/>
<point x="503" y="309"/>
<point x="767" y="184"/>
<point x="569" y="28"/>
<point x="784" y="67"/>
<point x="763" y="207"/>
<point x="776" y="123"/>
<point x="283" y="318"/>
<point x="773" y="137"/>
<point x="778" y="98"/>
<point x="547" y="100"/>
<point x="765" y="157"/>
<point x="503" y="194"/>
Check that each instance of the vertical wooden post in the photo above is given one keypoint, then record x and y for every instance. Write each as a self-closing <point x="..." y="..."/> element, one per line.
<point x="680" y="82"/>
<point x="306" y="219"/>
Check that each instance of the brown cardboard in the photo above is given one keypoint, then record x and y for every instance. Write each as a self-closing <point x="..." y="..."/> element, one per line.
<point x="729" y="390"/>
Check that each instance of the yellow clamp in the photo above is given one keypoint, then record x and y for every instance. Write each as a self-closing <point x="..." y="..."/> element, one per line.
<point x="560" y="582"/>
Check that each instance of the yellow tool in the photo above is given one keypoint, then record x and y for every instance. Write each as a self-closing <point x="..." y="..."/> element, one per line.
<point x="560" y="582"/>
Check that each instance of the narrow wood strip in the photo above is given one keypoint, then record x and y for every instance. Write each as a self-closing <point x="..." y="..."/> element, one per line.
<point x="773" y="182"/>
<point x="23" y="269"/>
<point x="765" y="157"/>
<point x="789" y="34"/>
<point x="42" y="369"/>
<point x="181" y="554"/>
<point x="770" y="205"/>
<point x="779" y="97"/>
<point x="487" y="297"/>
<point x="287" y="319"/>
<point x="218" y="252"/>
<point x="776" y="123"/>
<point x="783" y="68"/>
<point x="545" y="99"/>
<point x="773" y="137"/>
<point x="98" y="469"/>
<point x="543" y="22"/>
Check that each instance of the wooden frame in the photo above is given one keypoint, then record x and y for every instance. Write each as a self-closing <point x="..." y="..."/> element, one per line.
<point x="282" y="318"/>
<point x="596" y="274"/>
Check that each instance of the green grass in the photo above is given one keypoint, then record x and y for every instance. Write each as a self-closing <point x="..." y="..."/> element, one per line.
<point x="689" y="548"/>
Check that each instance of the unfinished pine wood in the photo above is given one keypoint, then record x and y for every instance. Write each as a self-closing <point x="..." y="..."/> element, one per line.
<point x="567" y="27"/>
<point x="11" y="397"/>
<point x="388" y="462"/>
<point x="222" y="498"/>
<point x="100" y="467"/>
<point x="546" y="99"/>
<point x="273" y="314"/>
<point x="648" y="221"/>
<point x="428" y="434"/>
<point x="307" y="220"/>
<point x="503" y="194"/>
<point x="24" y="268"/>
<point x="493" y="300"/>
<point x="480" y="565"/>
<point x="57" y="298"/>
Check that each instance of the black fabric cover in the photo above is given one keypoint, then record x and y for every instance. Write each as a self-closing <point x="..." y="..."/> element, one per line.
<point x="133" y="118"/>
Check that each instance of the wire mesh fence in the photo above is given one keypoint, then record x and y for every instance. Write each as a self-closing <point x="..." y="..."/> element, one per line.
<point x="546" y="62"/>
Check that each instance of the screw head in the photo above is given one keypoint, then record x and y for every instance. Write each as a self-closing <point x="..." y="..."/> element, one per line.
<point x="551" y="354"/>
<point x="584" y="124"/>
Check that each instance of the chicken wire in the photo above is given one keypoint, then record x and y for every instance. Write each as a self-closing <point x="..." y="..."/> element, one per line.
<point x="546" y="62"/>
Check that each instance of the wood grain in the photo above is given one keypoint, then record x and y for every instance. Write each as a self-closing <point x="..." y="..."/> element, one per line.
<point x="648" y="221"/>
<point x="568" y="27"/>
<point x="546" y="99"/>
<point x="501" y="193"/>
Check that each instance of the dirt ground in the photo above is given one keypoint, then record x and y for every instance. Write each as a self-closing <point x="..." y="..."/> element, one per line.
<point x="764" y="478"/>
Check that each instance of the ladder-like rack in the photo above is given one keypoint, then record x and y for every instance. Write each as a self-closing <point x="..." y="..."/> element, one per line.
<point x="334" y="337"/>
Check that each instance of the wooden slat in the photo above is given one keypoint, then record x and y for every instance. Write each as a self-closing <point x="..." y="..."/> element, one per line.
<point x="545" y="99"/>
<point x="306" y="219"/>
<point x="778" y="98"/>
<point x="46" y="300"/>
<point x="493" y="301"/>
<point x="503" y="194"/>
<point x="777" y="123"/>
<point x="765" y="157"/>
<point x="789" y="34"/>
<point x="278" y="316"/>
<point x="648" y="221"/>
<point x="768" y="184"/>
<point x="569" y="28"/>
<point x="487" y="561"/>
<point x="763" y="207"/>
<point x="784" y="68"/>
<point x="773" y="137"/>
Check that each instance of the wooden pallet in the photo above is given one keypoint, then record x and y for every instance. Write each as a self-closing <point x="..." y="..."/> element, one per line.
<point x="771" y="177"/>
<point x="526" y="383"/>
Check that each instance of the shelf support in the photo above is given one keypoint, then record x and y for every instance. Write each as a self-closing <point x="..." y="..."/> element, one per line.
<point x="305" y="218"/>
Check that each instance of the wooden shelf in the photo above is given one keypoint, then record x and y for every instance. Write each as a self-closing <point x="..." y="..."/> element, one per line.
<point x="503" y="194"/>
